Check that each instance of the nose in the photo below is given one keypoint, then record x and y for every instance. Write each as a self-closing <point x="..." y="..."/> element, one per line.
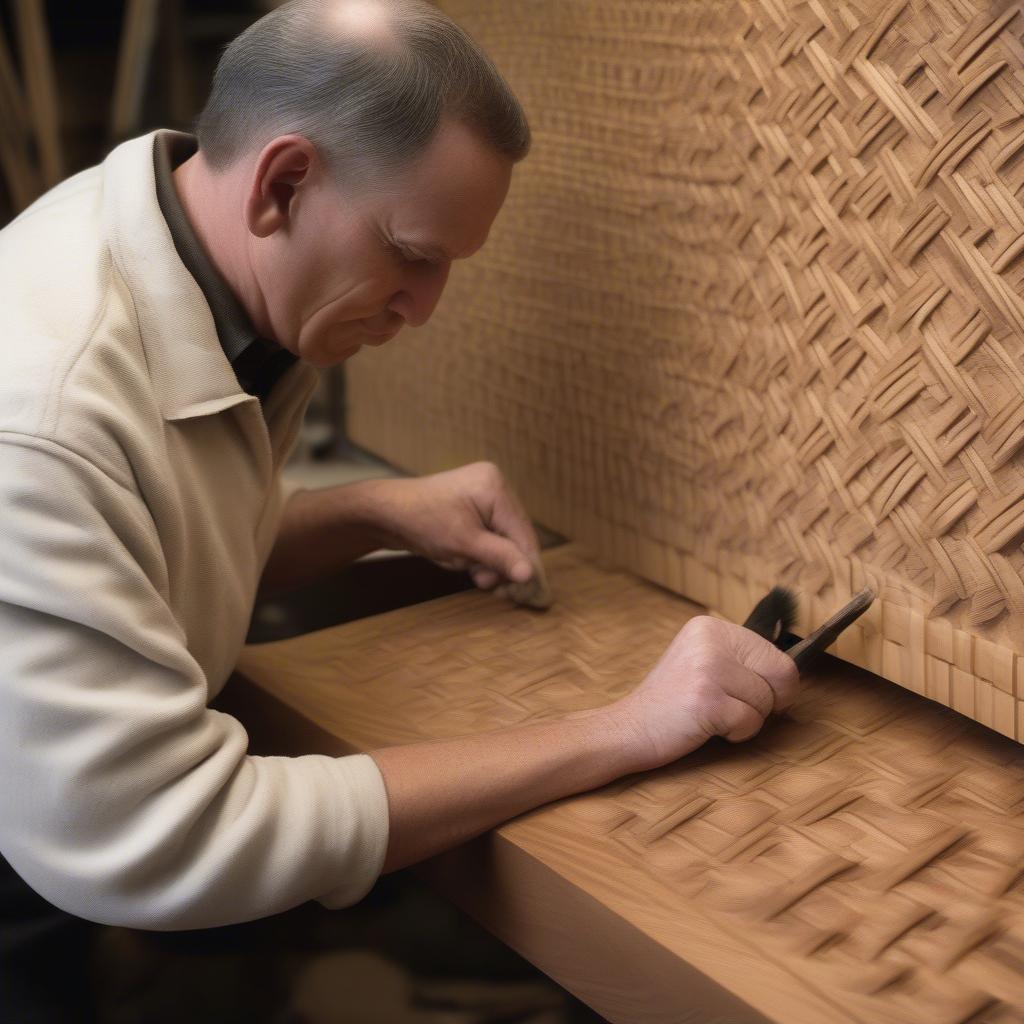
<point x="420" y="293"/>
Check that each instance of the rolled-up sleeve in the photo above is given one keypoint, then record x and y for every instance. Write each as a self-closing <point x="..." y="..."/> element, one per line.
<point x="124" y="799"/>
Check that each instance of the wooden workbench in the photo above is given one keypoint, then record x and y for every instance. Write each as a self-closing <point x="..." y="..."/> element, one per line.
<point x="861" y="860"/>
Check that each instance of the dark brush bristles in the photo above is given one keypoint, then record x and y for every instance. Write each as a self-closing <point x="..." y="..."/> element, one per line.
<point x="774" y="614"/>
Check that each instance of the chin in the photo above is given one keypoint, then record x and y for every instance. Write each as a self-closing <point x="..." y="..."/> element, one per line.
<point x="325" y="362"/>
<point x="324" y="352"/>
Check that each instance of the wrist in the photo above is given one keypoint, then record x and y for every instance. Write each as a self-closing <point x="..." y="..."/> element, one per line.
<point x="650" y="739"/>
<point x="368" y="506"/>
<point x="614" y="734"/>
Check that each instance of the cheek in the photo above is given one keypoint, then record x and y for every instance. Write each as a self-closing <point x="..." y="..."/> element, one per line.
<point x="351" y="282"/>
<point x="284" y="282"/>
<point x="316" y="292"/>
<point x="329" y="336"/>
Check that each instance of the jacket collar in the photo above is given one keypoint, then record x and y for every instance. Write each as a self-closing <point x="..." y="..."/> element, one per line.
<point x="190" y="370"/>
<point x="234" y="328"/>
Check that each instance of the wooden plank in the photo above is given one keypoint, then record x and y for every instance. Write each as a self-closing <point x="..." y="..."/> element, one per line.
<point x="828" y="870"/>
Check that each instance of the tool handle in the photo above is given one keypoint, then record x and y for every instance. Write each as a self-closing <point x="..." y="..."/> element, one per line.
<point x="825" y="635"/>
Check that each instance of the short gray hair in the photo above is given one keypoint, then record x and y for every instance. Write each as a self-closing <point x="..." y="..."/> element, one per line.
<point x="367" y="107"/>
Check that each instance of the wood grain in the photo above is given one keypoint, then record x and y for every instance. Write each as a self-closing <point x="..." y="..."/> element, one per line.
<point x="861" y="860"/>
<point x="753" y="314"/>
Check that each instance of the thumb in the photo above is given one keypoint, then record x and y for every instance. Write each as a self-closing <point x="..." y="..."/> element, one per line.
<point x="776" y="667"/>
<point x="503" y="556"/>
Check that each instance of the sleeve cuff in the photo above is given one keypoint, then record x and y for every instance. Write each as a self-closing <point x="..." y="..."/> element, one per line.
<point x="361" y="829"/>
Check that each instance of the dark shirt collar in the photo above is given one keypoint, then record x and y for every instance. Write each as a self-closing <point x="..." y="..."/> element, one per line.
<point x="257" y="361"/>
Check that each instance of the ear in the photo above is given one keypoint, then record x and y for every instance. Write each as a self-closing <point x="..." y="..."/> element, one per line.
<point x="282" y="168"/>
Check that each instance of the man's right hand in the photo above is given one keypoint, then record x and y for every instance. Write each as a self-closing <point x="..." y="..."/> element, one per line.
<point x="715" y="679"/>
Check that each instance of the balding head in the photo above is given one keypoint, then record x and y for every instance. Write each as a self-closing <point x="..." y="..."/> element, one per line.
<point x="368" y="82"/>
<point x="369" y="20"/>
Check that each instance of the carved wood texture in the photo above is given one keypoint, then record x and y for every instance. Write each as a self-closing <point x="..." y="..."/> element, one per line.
<point x="862" y="860"/>
<point x="754" y="313"/>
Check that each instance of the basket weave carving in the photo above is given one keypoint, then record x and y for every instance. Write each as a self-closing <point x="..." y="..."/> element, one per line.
<point x="754" y="313"/>
<point x="863" y="850"/>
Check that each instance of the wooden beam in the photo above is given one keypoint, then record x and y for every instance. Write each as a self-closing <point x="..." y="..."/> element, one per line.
<point x="138" y="36"/>
<point x="40" y="86"/>
<point x="15" y="160"/>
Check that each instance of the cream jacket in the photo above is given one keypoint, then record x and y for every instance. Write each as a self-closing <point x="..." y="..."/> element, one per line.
<point x="139" y="500"/>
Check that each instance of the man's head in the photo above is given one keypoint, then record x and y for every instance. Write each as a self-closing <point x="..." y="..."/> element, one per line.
<point x="364" y="145"/>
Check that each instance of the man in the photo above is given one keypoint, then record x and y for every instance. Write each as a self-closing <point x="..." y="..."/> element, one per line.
<point x="165" y="316"/>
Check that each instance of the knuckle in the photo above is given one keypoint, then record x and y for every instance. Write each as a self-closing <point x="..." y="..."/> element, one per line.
<point x="698" y="630"/>
<point x="704" y="623"/>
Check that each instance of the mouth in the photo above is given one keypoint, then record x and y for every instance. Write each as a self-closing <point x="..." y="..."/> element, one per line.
<point x="383" y="325"/>
<point x="379" y="337"/>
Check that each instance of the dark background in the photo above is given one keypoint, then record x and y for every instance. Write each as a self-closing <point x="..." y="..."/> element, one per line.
<point x="85" y="40"/>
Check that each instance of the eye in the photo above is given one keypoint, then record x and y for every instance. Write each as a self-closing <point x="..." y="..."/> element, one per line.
<point x="419" y="261"/>
<point x="404" y="255"/>
<point x="411" y="258"/>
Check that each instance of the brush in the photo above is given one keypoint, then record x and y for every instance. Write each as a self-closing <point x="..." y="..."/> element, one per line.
<point x="775" y="614"/>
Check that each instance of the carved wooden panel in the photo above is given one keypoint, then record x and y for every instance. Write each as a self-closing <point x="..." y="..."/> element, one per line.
<point x="754" y="314"/>
<point x="862" y="860"/>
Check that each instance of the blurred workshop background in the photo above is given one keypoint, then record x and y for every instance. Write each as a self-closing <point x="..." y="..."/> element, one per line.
<point x="76" y="78"/>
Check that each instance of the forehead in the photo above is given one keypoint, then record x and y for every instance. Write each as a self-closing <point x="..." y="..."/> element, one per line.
<point x="455" y="187"/>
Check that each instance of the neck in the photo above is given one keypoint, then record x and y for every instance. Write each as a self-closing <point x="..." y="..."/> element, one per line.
<point x="211" y="202"/>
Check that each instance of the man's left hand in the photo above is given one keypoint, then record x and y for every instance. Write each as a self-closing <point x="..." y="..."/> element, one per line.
<point x="464" y="519"/>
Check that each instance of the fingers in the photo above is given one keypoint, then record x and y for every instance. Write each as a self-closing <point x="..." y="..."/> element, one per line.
<point x="746" y="677"/>
<point x="736" y="700"/>
<point x="776" y="668"/>
<point x="742" y="722"/>
<point x="752" y="690"/>
<point x="482" y="528"/>
<point x="483" y="577"/>
<point x="501" y="556"/>
<point x="509" y="518"/>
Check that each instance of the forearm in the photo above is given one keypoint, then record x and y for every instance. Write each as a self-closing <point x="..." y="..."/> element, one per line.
<point x="320" y="533"/>
<point x="442" y="793"/>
